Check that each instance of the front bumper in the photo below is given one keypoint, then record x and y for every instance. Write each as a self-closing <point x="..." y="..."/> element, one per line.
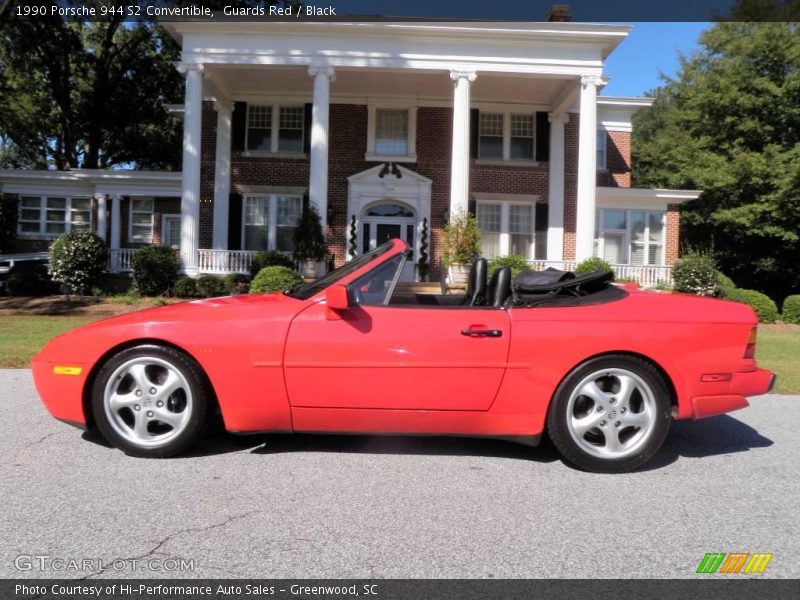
<point x="62" y="395"/>
<point x="742" y="385"/>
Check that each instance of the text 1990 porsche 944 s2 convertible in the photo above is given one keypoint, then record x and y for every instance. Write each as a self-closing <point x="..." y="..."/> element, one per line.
<point x="602" y="372"/>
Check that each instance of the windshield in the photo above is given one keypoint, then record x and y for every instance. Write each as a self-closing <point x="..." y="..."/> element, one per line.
<point x="306" y="290"/>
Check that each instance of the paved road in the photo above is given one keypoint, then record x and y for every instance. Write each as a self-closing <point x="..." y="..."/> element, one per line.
<point x="321" y="506"/>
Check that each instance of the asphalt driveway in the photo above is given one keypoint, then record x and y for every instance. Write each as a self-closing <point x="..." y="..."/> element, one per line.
<point x="324" y="506"/>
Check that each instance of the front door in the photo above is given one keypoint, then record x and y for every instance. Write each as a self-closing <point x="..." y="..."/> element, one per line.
<point x="378" y="230"/>
<point x="396" y="357"/>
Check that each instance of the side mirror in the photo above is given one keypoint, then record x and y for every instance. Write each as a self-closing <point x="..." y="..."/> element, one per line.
<point x="336" y="298"/>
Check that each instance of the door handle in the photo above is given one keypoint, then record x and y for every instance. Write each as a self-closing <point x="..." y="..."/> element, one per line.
<point x="482" y="332"/>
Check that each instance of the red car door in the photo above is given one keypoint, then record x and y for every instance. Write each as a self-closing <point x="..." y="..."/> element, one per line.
<point x="397" y="357"/>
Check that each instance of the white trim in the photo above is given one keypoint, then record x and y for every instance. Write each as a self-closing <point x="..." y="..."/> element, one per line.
<point x="91" y="182"/>
<point x="275" y="129"/>
<point x="164" y="229"/>
<point x="68" y="210"/>
<point x="626" y="234"/>
<point x="505" y="201"/>
<point x="135" y="238"/>
<point x="643" y="196"/>
<point x="506" y="113"/>
<point x="272" y="213"/>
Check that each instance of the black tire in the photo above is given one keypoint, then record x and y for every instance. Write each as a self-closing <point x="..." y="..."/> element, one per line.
<point x="575" y="453"/>
<point x="200" y="407"/>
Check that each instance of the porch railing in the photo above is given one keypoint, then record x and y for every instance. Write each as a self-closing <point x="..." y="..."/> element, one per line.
<point x="120" y="260"/>
<point x="644" y="275"/>
<point x="224" y="261"/>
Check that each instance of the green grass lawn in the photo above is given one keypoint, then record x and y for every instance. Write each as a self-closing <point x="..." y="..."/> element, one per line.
<point x="21" y="336"/>
<point x="778" y="350"/>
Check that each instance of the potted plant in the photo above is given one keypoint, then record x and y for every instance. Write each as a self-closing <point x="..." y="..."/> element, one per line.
<point x="461" y="244"/>
<point x="309" y="242"/>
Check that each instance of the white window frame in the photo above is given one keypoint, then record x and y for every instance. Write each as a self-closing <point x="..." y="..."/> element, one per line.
<point x="140" y="238"/>
<point x="272" y="215"/>
<point x="275" y="122"/>
<point x="626" y="233"/>
<point x="505" y="201"/>
<point x="602" y="134"/>
<point x="412" y="133"/>
<point x="68" y="211"/>
<point x="506" y="112"/>
<point x="164" y="218"/>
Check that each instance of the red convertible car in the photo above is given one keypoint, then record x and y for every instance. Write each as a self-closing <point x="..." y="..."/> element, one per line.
<point x="602" y="372"/>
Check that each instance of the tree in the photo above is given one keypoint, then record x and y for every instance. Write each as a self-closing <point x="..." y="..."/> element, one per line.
<point x="729" y="124"/>
<point x="89" y="94"/>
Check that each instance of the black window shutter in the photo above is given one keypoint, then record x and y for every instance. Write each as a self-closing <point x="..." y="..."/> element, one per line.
<point x="307" y="128"/>
<point x="238" y="126"/>
<point x="542" y="137"/>
<point x="474" y="130"/>
<point x="235" y="222"/>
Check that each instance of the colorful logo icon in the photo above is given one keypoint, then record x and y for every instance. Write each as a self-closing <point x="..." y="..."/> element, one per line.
<point x="734" y="562"/>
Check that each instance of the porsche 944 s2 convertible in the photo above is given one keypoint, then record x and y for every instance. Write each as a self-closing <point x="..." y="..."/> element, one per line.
<point x="602" y="369"/>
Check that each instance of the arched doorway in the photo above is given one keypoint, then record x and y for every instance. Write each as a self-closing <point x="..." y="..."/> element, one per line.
<point x="385" y="220"/>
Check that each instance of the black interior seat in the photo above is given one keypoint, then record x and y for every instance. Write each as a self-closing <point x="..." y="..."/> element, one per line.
<point x="499" y="287"/>
<point x="476" y="286"/>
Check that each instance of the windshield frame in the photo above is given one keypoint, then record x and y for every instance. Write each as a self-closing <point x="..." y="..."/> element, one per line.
<point x="305" y="291"/>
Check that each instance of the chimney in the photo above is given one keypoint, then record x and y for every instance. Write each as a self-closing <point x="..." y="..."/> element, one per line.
<point x="559" y="13"/>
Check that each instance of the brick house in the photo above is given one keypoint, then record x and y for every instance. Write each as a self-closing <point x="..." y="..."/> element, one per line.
<point x="387" y="128"/>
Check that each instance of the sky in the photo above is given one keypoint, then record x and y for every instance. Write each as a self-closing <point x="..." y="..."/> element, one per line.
<point x="650" y="49"/>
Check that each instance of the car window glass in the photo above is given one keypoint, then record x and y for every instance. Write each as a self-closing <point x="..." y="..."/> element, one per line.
<point x="373" y="288"/>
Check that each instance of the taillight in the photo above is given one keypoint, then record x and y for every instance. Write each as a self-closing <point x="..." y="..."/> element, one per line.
<point x="750" y="349"/>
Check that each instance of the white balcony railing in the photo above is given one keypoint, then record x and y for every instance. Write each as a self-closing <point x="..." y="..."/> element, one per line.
<point x="644" y="275"/>
<point x="224" y="261"/>
<point x="120" y="260"/>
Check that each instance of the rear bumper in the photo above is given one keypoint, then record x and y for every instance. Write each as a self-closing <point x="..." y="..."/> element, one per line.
<point x="751" y="383"/>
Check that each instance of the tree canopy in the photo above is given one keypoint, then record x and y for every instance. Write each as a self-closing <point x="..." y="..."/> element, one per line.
<point x="729" y="124"/>
<point x="75" y="93"/>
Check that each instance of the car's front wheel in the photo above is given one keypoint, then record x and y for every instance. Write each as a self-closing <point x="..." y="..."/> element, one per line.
<point x="151" y="401"/>
<point x="611" y="414"/>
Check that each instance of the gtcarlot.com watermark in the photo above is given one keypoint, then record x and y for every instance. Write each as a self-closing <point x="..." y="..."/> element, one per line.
<point x="64" y="564"/>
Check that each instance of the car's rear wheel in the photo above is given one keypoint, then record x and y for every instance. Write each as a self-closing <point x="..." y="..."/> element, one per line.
<point x="151" y="401"/>
<point x="611" y="414"/>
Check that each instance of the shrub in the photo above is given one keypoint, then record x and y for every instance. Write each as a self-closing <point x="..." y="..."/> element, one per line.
<point x="515" y="261"/>
<point x="275" y="279"/>
<point x="695" y="273"/>
<point x="209" y="286"/>
<point x="309" y="240"/>
<point x="77" y="260"/>
<point x="237" y="283"/>
<point x="269" y="258"/>
<point x="724" y="284"/>
<point x="461" y="240"/>
<point x="155" y="270"/>
<point x="765" y="308"/>
<point x="791" y="309"/>
<point x="185" y="287"/>
<point x="592" y="264"/>
<point x="30" y="279"/>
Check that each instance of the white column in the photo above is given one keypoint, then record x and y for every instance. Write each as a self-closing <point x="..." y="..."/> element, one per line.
<point x="102" y="216"/>
<point x="115" y="231"/>
<point x="587" y="168"/>
<point x="190" y="198"/>
<point x="318" y="180"/>
<point x="555" y="194"/>
<point x="222" y="175"/>
<point x="459" y="169"/>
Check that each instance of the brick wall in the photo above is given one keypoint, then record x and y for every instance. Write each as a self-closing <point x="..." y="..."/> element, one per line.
<point x="672" y="237"/>
<point x="618" y="160"/>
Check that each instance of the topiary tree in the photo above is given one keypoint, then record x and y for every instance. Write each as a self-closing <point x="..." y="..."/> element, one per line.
<point x="791" y="309"/>
<point x="592" y="264"/>
<point x="275" y="279"/>
<point x="695" y="273"/>
<point x="155" y="270"/>
<point x="515" y="261"/>
<point x="764" y="307"/>
<point x="269" y="258"/>
<point x="309" y="241"/>
<point x="77" y="260"/>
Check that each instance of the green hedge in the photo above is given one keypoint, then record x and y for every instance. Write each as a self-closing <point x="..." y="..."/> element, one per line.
<point x="515" y="261"/>
<point x="592" y="264"/>
<point x="237" y="283"/>
<point x="765" y="308"/>
<point x="185" y="287"/>
<point x="155" y="270"/>
<point x="695" y="273"/>
<point x="77" y="260"/>
<point x="791" y="309"/>
<point x="275" y="279"/>
<point x="210" y="286"/>
<point x="269" y="258"/>
<point x="725" y="285"/>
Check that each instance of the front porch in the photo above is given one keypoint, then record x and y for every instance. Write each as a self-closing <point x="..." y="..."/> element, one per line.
<point x="225" y="262"/>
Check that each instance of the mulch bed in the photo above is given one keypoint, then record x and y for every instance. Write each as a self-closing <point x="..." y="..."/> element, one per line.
<point x="75" y="305"/>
